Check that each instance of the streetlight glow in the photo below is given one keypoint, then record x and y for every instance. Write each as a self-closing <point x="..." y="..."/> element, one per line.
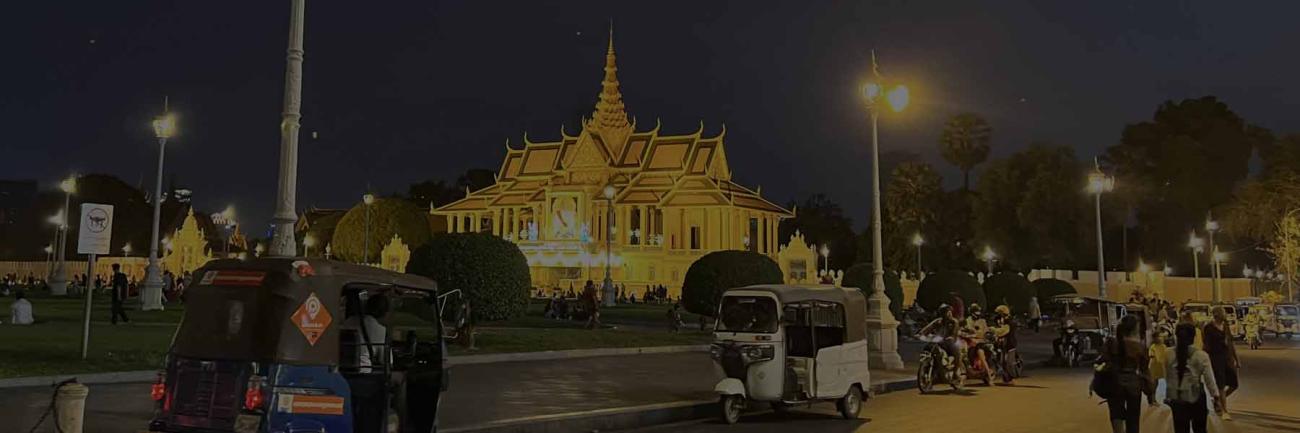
<point x="165" y="126"/>
<point x="1143" y="267"/>
<point x="49" y="249"/>
<point x="368" y="199"/>
<point x="609" y="192"/>
<point x="1196" y="243"/>
<point x="1099" y="182"/>
<point x="57" y="219"/>
<point x="917" y="240"/>
<point x="898" y="98"/>
<point x="989" y="255"/>
<point x="126" y="249"/>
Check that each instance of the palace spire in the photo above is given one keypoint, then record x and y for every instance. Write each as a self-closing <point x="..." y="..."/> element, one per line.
<point x="609" y="111"/>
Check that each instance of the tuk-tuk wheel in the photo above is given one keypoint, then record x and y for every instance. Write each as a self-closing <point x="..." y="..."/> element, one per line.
<point x="732" y="406"/>
<point x="851" y="404"/>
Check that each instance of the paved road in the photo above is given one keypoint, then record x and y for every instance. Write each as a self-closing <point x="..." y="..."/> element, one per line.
<point x="1050" y="400"/>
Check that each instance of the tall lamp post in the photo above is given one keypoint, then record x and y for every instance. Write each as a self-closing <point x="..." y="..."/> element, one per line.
<point x="151" y="297"/>
<point x="308" y="241"/>
<point x="989" y="256"/>
<point x="882" y="328"/>
<point x="282" y="237"/>
<point x="610" y="293"/>
<point x="1099" y="183"/>
<point x="49" y="255"/>
<point x="1196" y="244"/>
<point x="368" y="199"/>
<point x="59" y="281"/>
<point x="1219" y="257"/>
<point x="826" y="258"/>
<point x="917" y="241"/>
<point x="1212" y="226"/>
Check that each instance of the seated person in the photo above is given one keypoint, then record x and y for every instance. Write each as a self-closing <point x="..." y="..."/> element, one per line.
<point x="21" y="310"/>
<point x="371" y="332"/>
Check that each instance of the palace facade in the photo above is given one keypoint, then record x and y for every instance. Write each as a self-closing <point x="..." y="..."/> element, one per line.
<point x="659" y="200"/>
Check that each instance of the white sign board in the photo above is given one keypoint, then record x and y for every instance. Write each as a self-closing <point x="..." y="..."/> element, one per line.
<point x="96" y="228"/>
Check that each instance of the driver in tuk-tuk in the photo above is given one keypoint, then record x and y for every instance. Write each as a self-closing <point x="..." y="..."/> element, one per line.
<point x="368" y="390"/>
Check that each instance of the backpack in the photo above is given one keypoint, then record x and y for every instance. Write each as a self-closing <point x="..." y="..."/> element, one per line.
<point x="1105" y="381"/>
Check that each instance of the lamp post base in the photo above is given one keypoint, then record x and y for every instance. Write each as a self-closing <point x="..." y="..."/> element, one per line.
<point x="58" y="280"/>
<point x="610" y="293"/>
<point x="151" y="292"/>
<point x="882" y="334"/>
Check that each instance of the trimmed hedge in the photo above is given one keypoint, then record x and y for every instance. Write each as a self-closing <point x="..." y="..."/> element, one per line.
<point x="388" y="216"/>
<point x="1046" y="288"/>
<point x="862" y="276"/>
<point x="718" y="271"/>
<point x="490" y="272"/>
<point x="937" y="289"/>
<point x="1008" y="288"/>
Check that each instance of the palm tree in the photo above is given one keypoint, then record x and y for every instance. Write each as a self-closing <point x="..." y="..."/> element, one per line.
<point x="965" y="143"/>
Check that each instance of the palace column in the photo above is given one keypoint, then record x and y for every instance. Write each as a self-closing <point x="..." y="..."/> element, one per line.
<point x="451" y="224"/>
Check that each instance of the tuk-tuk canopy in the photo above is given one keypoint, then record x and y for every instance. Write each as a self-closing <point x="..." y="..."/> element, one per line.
<point x="275" y="309"/>
<point x="854" y="302"/>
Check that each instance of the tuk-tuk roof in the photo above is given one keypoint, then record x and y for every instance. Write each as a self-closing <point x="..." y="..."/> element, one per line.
<point x="271" y="294"/>
<point x="853" y="300"/>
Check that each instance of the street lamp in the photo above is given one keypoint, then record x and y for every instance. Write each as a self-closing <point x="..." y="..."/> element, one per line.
<point x="226" y="219"/>
<point x="917" y="241"/>
<point x="49" y="255"/>
<point x="258" y="250"/>
<point x="989" y="256"/>
<point x="1219" y="257"/>
<point x="164" y="128"/>
<point x="126" y="250"/>
<point x="610" y="293"/>
<point x="1196" y="244"/>
<point x="59" y="281"/>
<point x="880" y="321"/>
<point x="282" y="237"/>
<point x="826" y="258"/>
<point x="308" y="241"/>
<point x="368" y="199"/>
<point x="1212" y="226"/>
<point x="1098" y="183"/>
<point x="1145" y="270"/>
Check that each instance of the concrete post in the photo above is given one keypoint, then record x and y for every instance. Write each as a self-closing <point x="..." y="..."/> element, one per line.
<point x="283" y="243"/>
<point x="70" y="407"/>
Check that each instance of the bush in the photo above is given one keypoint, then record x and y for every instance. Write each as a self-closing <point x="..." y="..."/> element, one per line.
<point x="938" y="288"/>
<point x="490" y="272"/>
<point x="388" y="217"/>
<point x="718" y="271"/>
<point x="1046" y="288"/>
<point x="1008" y="288"/>
<point x="862" y="276"/>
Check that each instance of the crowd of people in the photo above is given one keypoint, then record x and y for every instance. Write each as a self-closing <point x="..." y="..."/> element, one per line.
<point x="116" y="285"/>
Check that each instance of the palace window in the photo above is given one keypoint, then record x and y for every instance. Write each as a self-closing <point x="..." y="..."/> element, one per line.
<point x="695" y="237"/>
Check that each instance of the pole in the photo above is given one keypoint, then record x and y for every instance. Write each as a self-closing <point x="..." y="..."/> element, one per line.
<point x="85" y="322"/>
<point x="1214" y="269"/>
<point x="882" y="328"/>
<point x="608" y="285"/>
<point x="919" y="272"/>
<point x="366" y="256"/>
<point x="1196" y="274"/>
<point x="989" y="264"/>
<point x="59" y="279"/>
<point x="283" y="243"/>
<point x="153" y="279"/>
<point x="1101" y="256"/>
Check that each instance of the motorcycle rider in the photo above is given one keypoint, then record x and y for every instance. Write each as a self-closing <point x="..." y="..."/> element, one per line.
<point x="973" y="333"/>
<point x="1068" y="331"/>
<point x="946" y="327"/>
<point x="1252" y="327"/>
<point x="1004" y="331"/>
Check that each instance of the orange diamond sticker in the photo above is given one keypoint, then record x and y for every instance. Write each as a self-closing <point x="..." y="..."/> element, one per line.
<point x="311" y="318"/>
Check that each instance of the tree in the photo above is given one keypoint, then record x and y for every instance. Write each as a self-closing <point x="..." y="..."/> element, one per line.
<point x="1010" y="289"/>
<point x="822" y="222"/>
<point x="1285" y="249"/>
<point x="475" y="179"/>
<point x="863" y="277"/>
<point x="491" y="273"/>
<point x="1032" y="209"/>
<point x="1047" y="288"/>
<point x="1188" y="158"/>
<point x="911" y="205"/>
<point x="718" y="271"/>
<point x="938" y="288"/>
<point x="388" y="217"/>
<point x="950" y="246"/>
<point x="438" y="192"/>
<point x="965" y="143"/>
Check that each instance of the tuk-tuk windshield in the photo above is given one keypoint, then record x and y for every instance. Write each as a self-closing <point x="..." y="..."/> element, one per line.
<point x="748" y="314"/>
<point x="1288" y="310"/>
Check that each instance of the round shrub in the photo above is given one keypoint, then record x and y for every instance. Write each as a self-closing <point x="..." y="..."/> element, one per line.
<point x="1046" y="288"/>
<point x="938" y="288"/>
<point x="718" y="271"/>
<point x="388" y="217"/>
<point x="863" y="277"/>
<point x="489" y="271"/>
<point x="1008" y="288"/>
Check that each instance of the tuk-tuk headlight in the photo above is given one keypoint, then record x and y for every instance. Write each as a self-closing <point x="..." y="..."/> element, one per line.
<point x="715" y="352"/>
<point x="758" y="352"/>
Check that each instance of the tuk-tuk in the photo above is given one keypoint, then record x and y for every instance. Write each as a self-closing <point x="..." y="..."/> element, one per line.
<point x="1200" y="312"/>
<point x="1095" y="318"/>
<point x="276" y="345"/>
<point x="791" y="344"/>
<point x="1286" y="320"/>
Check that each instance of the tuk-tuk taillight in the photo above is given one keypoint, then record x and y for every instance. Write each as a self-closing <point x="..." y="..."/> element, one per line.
<point x="159" y="388"/>
<point x="254" y="396"/>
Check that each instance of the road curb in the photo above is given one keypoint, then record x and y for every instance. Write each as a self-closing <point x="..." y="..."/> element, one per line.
<point x="571" y="354"/>
<point x="83" y="378"/>
<point x="633" y="417"/>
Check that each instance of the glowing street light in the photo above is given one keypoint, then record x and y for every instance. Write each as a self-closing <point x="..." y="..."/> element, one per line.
<point x="308" y="241"/>
<point x="258" y="250"/>
<point x="989" y="256"/>
<point x="126" y="250"/>
<point x="879" y="319"/>
<point x="164" y="127"/>
<point x="59" y="281"/>
<point x="917" y="241"/>
<point x="826" y="258"/>
<point x="1098" y="183"/>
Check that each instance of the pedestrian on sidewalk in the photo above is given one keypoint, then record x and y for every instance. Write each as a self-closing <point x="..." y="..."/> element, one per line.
<point x="1035" y="313"/>
<point x="1223" y="358"/>
<point x="119" y="295"/>
<point x="1189" y="378"/>
<point x="1126" y="358"/>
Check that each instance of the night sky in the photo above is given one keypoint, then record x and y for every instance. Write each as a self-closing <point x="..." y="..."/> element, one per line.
<point x="404" y="91"/>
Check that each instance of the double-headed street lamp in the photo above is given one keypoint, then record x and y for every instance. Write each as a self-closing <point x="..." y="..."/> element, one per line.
<point x="368" y="199"/>
<point x="610" y="293"/>
<point x="1098" y="183"/>
<point x="164" y="127"/>
<point x="59" y="281"/>
<point x="917" y="241"/>
<point x="883" y="327"/>
<point x="1196" y="244"/>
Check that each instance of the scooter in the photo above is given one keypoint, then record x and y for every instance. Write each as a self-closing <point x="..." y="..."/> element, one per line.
<point x="936" y="365"/>
<point x="1071" y="348"/>
<point x="1252" y="336"/>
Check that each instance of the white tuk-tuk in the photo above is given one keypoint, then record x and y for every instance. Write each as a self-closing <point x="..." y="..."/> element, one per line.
<point x="788" y="345"/>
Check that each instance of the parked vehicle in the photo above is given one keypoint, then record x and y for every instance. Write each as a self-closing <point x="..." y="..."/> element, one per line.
<point x="935" y="365"/>
<point x="268" y="346"/>
<point x="1200" y="312"/>
<point x="1094" y="319"/>
<point x="1286" y="320"/>
<point x="787" y="344"/>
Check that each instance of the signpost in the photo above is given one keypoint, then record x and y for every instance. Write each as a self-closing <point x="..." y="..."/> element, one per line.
<point x="94" y="238"/>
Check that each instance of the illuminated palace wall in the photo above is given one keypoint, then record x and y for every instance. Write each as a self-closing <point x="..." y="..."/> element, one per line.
<point x="673" y="201"/>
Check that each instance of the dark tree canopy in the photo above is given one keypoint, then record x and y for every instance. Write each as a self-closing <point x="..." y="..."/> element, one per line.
<point x="440" y="192"/>
<point x="1010" y="289"/>
<point x="388" y="217"/>
<point x="1046" y="288"/>
<point x="938" y="288"/>
<point x="718" y="271"/>
<point x="1032" y="209"/>
<point x="491" y="272"/>
<point x="911" y="206"/>
<point x="863" y="277"/>
<point x="964" y="143"/>
<point x="822" y="221"/>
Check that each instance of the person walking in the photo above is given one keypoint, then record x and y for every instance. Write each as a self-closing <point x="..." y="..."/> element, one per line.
<point x="1189" y="379"/>
<point x="119" y="292"/>
<point x="1035" y="313"/>
<point x="1127" y="359"/>
<point x="1223" y="358"/>
<point x="591" y="304"/>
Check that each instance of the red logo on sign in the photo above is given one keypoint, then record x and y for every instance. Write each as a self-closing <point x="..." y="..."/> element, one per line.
<point x="311" y="318"/>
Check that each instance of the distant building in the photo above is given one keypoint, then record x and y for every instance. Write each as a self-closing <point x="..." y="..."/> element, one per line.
<point x="674" y="201"/>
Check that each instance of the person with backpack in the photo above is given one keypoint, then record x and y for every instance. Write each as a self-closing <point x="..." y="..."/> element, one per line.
<point x="1122" y="377"/>
<point x="1189" y="378"/>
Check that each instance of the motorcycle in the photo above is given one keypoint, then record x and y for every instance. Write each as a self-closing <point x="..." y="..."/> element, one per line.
<point x="1252" y="336"/>
<point x="936" y="365"/>
<point x="1071" y="347"/>
<point x="1007" y="362"/>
